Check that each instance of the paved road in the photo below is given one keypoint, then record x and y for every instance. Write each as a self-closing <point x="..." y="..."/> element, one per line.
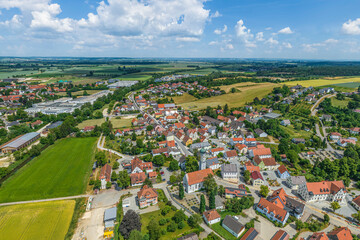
<point x="45" y="200"/>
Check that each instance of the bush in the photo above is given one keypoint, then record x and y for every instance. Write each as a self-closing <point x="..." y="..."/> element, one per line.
<point x="165" y="210"/>
<point x="171" y="227"/>
<point x="163" y="221"/>
<point x="181" y="225"/>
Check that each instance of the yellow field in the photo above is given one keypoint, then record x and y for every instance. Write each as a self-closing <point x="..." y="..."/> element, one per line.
<point x="46" y="220"/>
<point x="323" y="82"/>
<point x="184" y="98"/>
<point x="248" y="91"/>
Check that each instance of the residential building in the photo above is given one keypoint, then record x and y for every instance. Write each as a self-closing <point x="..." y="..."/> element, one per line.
<point x="213" y="163"/>
<point x="137" y="178"/>
<point x="272" y="211"/>
<point x="211" y="217"/>
<point x="319" y="236"/>
<point x="234" y="141"/>
<point x="333" y="191"/>
<point x="216" y="151"/>
<point x="266" y="163"/>
<point x="147" y="197"/>
<point x="235" y="192"/>
<point x="281" y="235"/>
<point x="193" y="181"/>
<point x="342" y="233"/>
<point x="285" y="122"/>
<point x="219" y="204"/>
<point x="105" y="175"/>
<point x="256" y="178"/>
<point x="251" y="167"/>
<point x="261" y="152"/>
<point x="138" y="165"/>
<point x="260" y="133"/>
<point x="343" y="142"/>
<point x="298" y="140"/>
<point x="294" y="207"/>
<point x="230" y="154"/>
<point x="241" y="148"/>
<point x="282" y="172"/>
<point x="233" y="226"/>
<point x="294" y="182"/>
<point x="356" y="203"/>
<point x="251" y="234"/>
<point x="354" y="131"/>
<point x="335" y="136"/>
<point x="229" y="172"/>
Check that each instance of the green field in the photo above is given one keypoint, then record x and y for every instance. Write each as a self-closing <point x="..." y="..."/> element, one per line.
<point x="247" y="92"/>
<point x="340" y="103"/>
<point x="324" y="81"/>
<point x="348" y="85"/>
<point x="63" y="169"/>
<point x="45" y="220"/>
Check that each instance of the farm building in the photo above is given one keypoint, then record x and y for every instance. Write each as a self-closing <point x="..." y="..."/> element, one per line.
<point x="19" y="142"/>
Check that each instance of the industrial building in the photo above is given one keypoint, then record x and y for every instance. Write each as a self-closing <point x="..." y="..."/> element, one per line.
<point x="19" y="142"/>
<point x="122" y="84"/>
<point x="64" y="105"/>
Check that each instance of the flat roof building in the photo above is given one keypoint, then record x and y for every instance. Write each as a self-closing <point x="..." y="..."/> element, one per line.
<point x="19" y="142"/>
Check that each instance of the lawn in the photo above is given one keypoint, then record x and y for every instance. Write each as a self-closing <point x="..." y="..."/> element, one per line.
<point x="339" y="103"/>
<point x="91" y="122"/>
<point x="45" y="220"/>
<point x="222" y="231"/>
<point x="325" y="81"/>
<point x="121" y="123"/>
<point x="61" y="170"/>
<point x="241" y="98"/>
<point x="296" y="133"/>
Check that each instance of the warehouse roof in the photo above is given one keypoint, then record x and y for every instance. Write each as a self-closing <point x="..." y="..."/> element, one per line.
<point x="21" y="140"/>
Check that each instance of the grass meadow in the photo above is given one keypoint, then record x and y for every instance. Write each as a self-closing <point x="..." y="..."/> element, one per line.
<point x="326" y="81"/>
<point x="61" y="170"/>
<point x="45" y="220"/>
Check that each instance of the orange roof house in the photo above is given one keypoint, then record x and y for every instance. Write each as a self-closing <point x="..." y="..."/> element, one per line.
<point x="342" y="233"/>
<point x="193" y="181"/>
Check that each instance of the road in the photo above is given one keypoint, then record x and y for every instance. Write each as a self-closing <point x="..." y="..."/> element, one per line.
<point x="45" y="200"/>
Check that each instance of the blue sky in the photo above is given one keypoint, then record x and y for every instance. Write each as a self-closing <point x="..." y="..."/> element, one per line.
<point x="296" y="29"/>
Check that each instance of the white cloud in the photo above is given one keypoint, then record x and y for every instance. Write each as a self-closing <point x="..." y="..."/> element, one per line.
<point x="1" y="37"/>
<point x="215" y="15"/>
<point x="187" y="39"/>
<point x="220" y="31"/>
<point x="313" y="47"/>
<point x="287" y="45"/>
<point x="260" y="36"/>
<point x="212" y="43"/>
<point x="229" y="46"/>
<point x="268" y="28"/>
<point x="244" y="34"/>
<point x="331" y="41"/>
<point x="272" y="41"/>
<point x="352" y="27"/>
<point x="286" y="30"/>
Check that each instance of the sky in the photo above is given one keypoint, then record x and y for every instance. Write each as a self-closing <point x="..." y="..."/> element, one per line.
<point x="271" y="29"/>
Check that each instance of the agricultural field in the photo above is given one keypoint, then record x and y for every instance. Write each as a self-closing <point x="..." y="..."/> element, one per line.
<point x="340" y="103"/>
<point x="78" y="93"/>
<point x="184" y="98"/>
<point x="246" y="94"/>
<point x="121" y="123"/>
<point x="348" y="85"/>
<point x="324" y="82"/>
<point x="296" y="133"/>
<point x="91" y="122"/>
<point x="45" y="220"/>
<point x="61" y="170"/>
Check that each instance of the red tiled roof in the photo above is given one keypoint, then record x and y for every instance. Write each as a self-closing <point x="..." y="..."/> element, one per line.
<point x="267" y="161"/>
<point x="342" y="233"/>
<point x="282" y="169"/>
<point x="217" y="149"/>
<point x="280" y="235"/>
<point x="248" y="233"/>
<point x="325" y="187"/>
<point x="357" y="200"/>
<point x="319" y="236"/>
<point x="279" y="213"/>
<point x="105" y="172"/>
<point x="211" y="215"/>
<point x="147" y="192"/>
<point x="137" y="177"/>
<point x="256" y="175"/>
<point x="261" y="151"/>
<point x="231" y="153"/>
<point x="198" y="176"/>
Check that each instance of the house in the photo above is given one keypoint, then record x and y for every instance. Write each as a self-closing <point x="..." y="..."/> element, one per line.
<point x="251" y="167"/>
<point x="272" y="211"/>
<point x="159" y="151"/>
<point x="318" y="236"/>
<point x="260" y="152"/>
<point x="354" y="131"/>
<point x="333" y="191"/>
<point x="282" y="172"/>
<point x="216" y="151"/>
<point x="137" y="178"/>
<point x="187" y="141"/>
<point x="294" y="207"/>
<point x="266" y="163"/>
<point x="147" y="197"/>
<point x="219" y="204"/>
<point x="230" y="154"/>
<point x="201" y="145"/>
<point x="356" y="203"/>
<point x="298" y="140"/>
<point x="281" y="235"/>
<point x="260" y="133"/>
<point x="105" y="175"/>
<point x="211" y="217"/>
<point x="278" y="197"/>
<point x="342" y="233"/>
<point x="229" y="172"/>
<point x="326" y="118"/>
<point x="191" y="236"/>
<point x="138" y="165"/>
<point x="234" y="141"/>
<point x="193" y="181"/>
<point x="213" y="163"/>
<point x="251" y="234"/>
<point x="285" y="122"/>
<point x="250" y="142"/>
<point x="294" y="182"/>
<point x="310" y="154"/>
<point x="233" y="226"/>
<point x="241" y="148"/>
<point x="235" y="192"/>
<point x="343" y="142"/>
<point x="256" y="178"/>
<point x="335" y="136"/>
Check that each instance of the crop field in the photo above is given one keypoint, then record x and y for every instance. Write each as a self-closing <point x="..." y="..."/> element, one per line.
<point x="348" y="85"/>
<point x="241" y="98"/>
<point x="61" y="170"/>
<point x="45" y="220"/>
<point x="324" y="82"/>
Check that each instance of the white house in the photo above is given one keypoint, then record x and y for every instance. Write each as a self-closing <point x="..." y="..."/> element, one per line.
<point x="234" y="141"/>
<point x="229" y="172"/>
<point x="272" y="211"/>
<point x="233" y="226"/>
<point x="194" y="181"/>
<point x="333" y="191"/>
<point x="211" y="217"/>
